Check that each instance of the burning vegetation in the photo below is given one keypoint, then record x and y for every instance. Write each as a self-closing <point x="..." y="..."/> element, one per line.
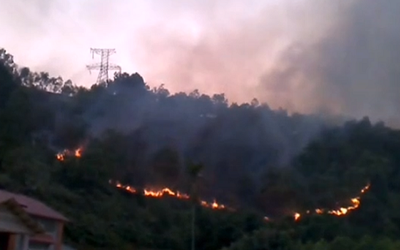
<point x="320" y="152"/>
<point x="166" y="192"/>
<point x="68" y="153"/>
<point x="77" y="153"/>
<point x="355" y="203"/>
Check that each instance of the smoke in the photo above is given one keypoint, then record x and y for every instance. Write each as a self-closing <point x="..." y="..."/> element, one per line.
<point x="304" y="55"/>
<point x="353" y="69"/>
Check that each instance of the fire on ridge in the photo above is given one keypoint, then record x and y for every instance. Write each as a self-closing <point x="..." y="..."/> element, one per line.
<point x="77" y="153"/>
<point x="67" y="153"/>
<point x="355" y="203"/>
<point x="146" y="192"/>
<point x="166" y="192"/>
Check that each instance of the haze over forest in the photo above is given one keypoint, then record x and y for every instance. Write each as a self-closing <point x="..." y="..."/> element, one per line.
<point x="305" y="55"/>
<point x="267" y="107"/>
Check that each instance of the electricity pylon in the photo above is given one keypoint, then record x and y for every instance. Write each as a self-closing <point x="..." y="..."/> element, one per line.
<point x="104" y="66"/>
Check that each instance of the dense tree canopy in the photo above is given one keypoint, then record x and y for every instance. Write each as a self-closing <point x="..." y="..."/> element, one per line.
<point x="257" y="161"/>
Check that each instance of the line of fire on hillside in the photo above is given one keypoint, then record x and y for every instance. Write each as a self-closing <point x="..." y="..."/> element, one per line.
<point x="77" y="153"/>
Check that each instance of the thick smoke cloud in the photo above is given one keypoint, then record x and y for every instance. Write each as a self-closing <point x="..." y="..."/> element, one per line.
<point x="354" y="69"/>
<point x="304" y="55"/>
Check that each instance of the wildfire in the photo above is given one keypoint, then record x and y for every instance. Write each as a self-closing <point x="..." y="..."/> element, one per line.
<point x="78" y="153"/>
<point x="167" y="192"/>
<point x="66" y="152"/>
<point x="355" y="203"/>
<point x="60" y="156"/>
<point x="146" y="192"/>
<point x="213" y="205"/>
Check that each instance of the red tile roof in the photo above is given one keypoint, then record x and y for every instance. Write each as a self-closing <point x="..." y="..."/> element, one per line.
<point x="32" y="206"/>
<point x="14" y="207"/>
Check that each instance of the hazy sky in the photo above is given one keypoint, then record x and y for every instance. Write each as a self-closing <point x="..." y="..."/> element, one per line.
<point x="304" y="55"/>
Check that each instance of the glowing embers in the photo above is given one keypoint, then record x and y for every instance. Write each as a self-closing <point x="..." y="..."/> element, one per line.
<point x="355" y="203"/>
<point x="166" y="192"/>
<point x="69" y="153"/>
<point x="77" y="153"/>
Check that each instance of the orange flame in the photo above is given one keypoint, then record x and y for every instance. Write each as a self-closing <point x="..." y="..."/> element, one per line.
<point x="60" y="157"/>
<point x="167" y="192"/>
<point x="63" y="154"/>
<point x="355" y="203"/>
<point x="214" y="205"/>
<point x="78" y="153"/>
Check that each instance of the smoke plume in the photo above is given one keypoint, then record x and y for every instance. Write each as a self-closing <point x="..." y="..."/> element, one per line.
<point x="304" y="55"/>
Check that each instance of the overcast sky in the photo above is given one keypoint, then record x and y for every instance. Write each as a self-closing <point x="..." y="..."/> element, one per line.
<point x="304" y="55"/>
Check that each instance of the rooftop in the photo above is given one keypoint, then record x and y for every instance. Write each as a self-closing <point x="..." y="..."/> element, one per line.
<point x="32" y="206"/>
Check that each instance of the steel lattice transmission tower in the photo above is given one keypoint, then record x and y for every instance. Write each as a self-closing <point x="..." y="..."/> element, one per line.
<point x="104" y="66"/>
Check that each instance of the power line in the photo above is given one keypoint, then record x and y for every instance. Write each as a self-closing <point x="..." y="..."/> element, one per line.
<point x="104" y="66"/>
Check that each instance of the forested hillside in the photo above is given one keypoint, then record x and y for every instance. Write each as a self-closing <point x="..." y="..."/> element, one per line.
<point x="283" y="178"/>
